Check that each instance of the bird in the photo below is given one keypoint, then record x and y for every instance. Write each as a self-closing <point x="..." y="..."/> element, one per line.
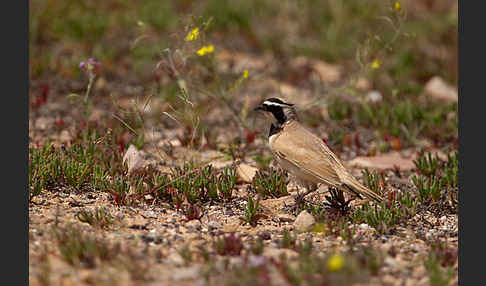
<point x="304" y="155"/>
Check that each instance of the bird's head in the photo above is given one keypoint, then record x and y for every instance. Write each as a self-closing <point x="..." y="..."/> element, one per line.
<point x="282" y="111"/>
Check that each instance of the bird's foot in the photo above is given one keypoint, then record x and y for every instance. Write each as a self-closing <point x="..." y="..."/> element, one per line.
<point x="300" y="197"/>
<point x="337" y="201"/>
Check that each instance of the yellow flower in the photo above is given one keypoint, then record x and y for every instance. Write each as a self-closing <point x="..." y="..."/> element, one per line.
<point x="397" y="6"/>
<point x="376" y="64"/>
<point x="335" y="263"/>
<point x="205" y="50"/>
<point x="320" y="228"/>
<point x="192" y="35"/>
<point x="245" y="74"/>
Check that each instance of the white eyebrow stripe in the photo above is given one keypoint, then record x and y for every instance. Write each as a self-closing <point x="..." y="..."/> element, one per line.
<point x="275" y="103"/>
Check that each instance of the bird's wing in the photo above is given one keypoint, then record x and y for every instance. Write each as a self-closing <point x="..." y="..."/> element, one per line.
<point x="308" y="153"/>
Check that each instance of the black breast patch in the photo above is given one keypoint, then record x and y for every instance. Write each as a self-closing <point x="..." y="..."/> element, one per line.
<point x="274" y="129"/>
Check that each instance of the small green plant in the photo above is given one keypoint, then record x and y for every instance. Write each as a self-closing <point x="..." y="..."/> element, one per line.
<point x="370" y="259"/>
<point x="304" y="248"/>
<point x="347" y="232"/>
<point x="436" y="181"/>
<point x="189" y="181"/>
<point x="252" y="272"/>
<point x="119" y="189"/>
<point x="270" y="184"/>
<point x="395" y="116"/>
<point x="262" y="162"/>
<point x="451" y="170"/>
<point x="251" y="211"/>
<point x="45" y="274"/>
<point x="381" y="217"/>
<point x="90" y="67"/>
<point x="373" y="180"/>
<point x="97" y="218"/>
<point x="200" y="185"/>
<point x="438" y="275"/>
<point x="288" y="240"/>
<point x="257" y="246"/>
<point x="332" y="269"/>
<point x="186" y="253"/>
<point x="135" y="263"/>
<point x="192" y="212"/>
<point x="409" y="202"/>
<point x="427" y="164"/>
<point x="81" y="249"/>
<point x="86" y="165"/>
<point x="339" y="110"/>
<point x="428" y="189"/>
<point x="230" y="244"/>
<point x="226" y="182"/>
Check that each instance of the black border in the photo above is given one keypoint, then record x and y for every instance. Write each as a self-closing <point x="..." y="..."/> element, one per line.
<point x="15" y="123"/>
<point x="471" y="150"/>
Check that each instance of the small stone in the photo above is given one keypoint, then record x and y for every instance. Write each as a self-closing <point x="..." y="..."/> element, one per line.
<point x="193" y="225"/>
<point x="213" y="225"/>
<point x="365" y="226"/>
<point x="328" y="73"/>
<point x="134" y="159"/>
<point x="137" y="222"/>
<point x="437" y="88"/>
<point x="246" y="173"/>
<point x="286" y="218"/>
<point x="390" y="262"/>
<point x="304" y="221"/>
<point x="385" y="161"/>
<point x="148" y="197"/>
<point x="264" y="234"/>
<point x="44" y="122"/>
<point x="374" y="96"/>
<point x="430" y="235"/>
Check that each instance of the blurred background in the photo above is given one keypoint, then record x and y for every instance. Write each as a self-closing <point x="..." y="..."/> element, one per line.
<point x="389" y="67"/>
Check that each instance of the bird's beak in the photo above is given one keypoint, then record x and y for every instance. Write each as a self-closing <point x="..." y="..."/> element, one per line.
<point x="259" y="107"/>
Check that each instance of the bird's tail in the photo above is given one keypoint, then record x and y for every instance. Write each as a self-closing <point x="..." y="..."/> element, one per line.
<point x="357" y="188"/>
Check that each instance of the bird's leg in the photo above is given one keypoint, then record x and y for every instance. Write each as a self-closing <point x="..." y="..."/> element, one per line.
<point x="309" y="188"/>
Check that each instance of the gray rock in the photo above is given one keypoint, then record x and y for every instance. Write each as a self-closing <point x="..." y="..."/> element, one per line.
<point x="304" y="221"/>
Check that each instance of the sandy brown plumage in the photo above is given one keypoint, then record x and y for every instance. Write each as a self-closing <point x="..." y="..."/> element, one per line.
<point x="307" y="157"/>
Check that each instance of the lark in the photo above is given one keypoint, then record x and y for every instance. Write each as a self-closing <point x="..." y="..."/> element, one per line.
<point x="305" y="155"/>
